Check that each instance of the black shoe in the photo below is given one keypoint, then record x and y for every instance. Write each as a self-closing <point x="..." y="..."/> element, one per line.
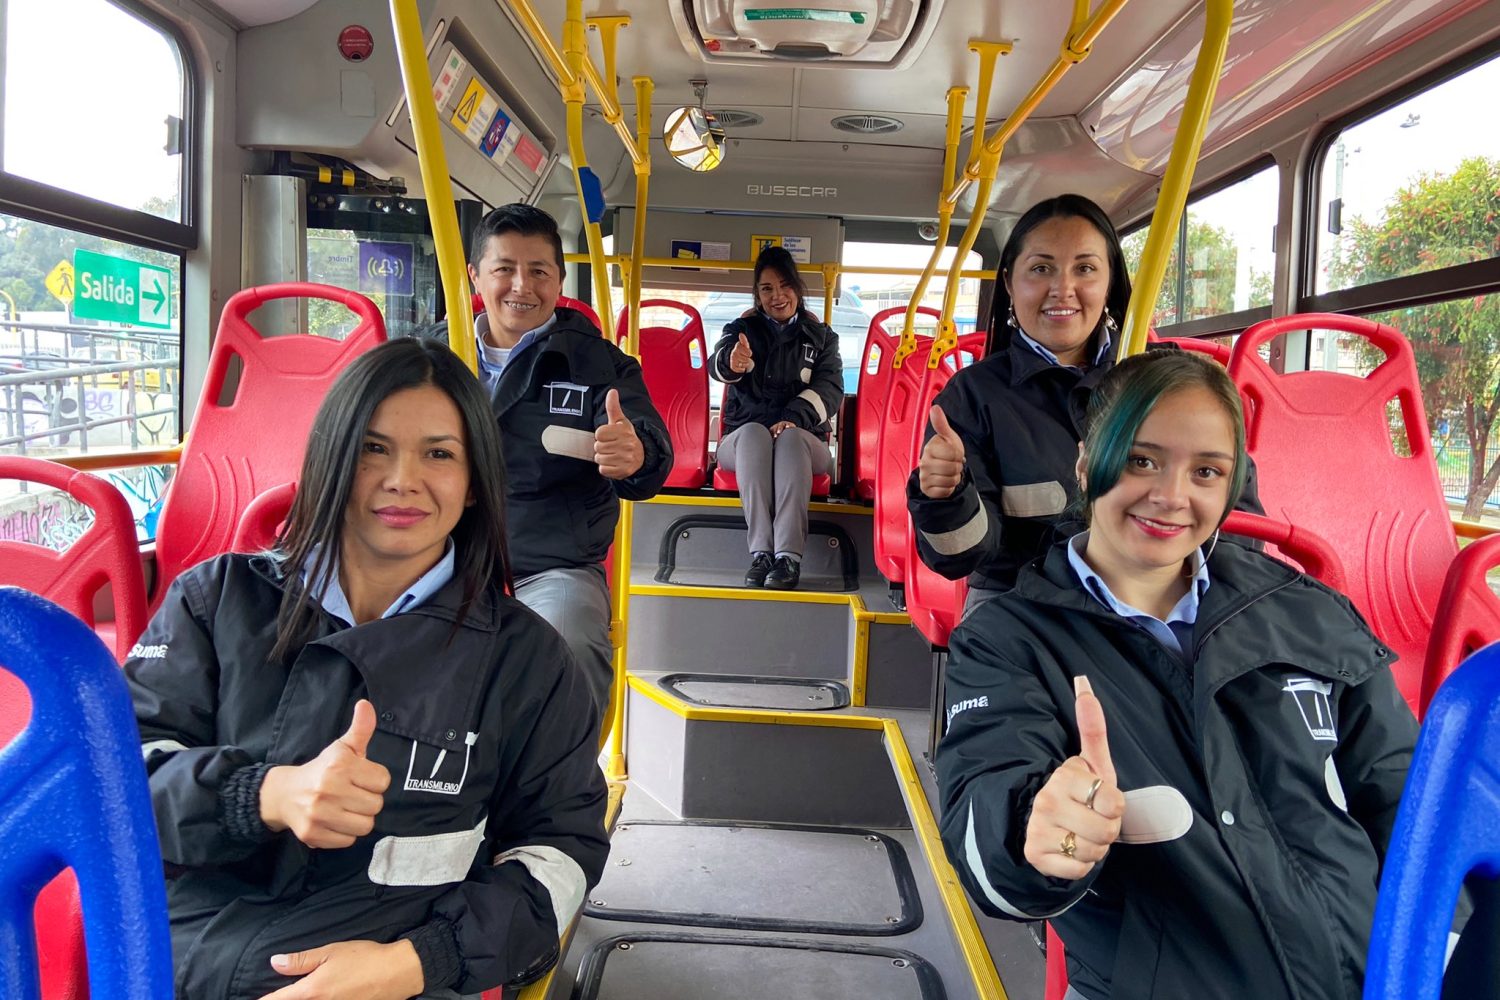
<point x="785" y="574"/>
<point x="759" y="567"/>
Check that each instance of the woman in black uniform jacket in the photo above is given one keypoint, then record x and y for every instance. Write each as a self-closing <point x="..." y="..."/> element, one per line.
<point x="372" y="770"/>
<point x="1223" y="837"/>
<point x="783" y="381"/>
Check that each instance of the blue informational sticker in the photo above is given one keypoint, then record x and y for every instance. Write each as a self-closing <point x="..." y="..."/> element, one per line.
<point x="385" y="267"/>
<point x="495" y="134"/>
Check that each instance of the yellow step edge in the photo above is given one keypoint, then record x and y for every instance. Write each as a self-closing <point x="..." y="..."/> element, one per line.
<point x="818" y="506"/>
<point x="855" y="603"/>
<point x="982" y="971"/>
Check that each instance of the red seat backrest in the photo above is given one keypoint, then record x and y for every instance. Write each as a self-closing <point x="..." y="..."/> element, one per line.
<point x="236" y="452"/>
<point x="1219" y="352"/>
<point x="262" y="520"/>
<point x="675" y="365"/>
<point x="107" y="553"/>
<point x="477" y="302"/>
<point x="893" y="463"/>
<point x="1322" y="446"/>
<point x="1057" y="967"/>
<point x="1468" y="615"/>
<point x="874" y="389"/>
<point x="935" y="602"/>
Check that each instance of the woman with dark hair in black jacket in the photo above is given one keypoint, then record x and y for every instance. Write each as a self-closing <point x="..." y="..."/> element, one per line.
<point x="372" y="769"/>
<point x="1222" y="835"/>
<point x="783" y="382"/>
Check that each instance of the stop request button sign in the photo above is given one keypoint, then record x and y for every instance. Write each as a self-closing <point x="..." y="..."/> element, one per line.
<point x="356" y="43"/>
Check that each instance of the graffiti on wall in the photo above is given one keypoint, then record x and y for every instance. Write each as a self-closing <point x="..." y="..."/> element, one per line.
<point x="54" y="520"/>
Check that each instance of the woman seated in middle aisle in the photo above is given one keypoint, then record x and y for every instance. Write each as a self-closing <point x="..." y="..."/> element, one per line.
<point x="996" y="473"/>
<point x="783" y="381"/>
<point x="373" y="771"/>
<point x="1223" y="836"/>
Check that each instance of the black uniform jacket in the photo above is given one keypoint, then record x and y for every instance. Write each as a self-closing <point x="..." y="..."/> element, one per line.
<point x="1261" y="781"/>
<point x="797" y="375"/>
<point x="489" y="735"/>
<point x="1020" y="418"/>
<point x="549" y="401"/>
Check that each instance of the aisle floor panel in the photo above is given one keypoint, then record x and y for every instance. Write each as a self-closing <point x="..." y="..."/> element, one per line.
<point x="692" y="967"/>
<point x="795" y="879"/>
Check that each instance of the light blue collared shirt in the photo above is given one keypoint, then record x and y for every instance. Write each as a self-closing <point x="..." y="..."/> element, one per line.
<point x="1050" y="358"/>
<point x="334" y="601"/>
<point x="489" y="371"/>
<point x="1178" y="626"/>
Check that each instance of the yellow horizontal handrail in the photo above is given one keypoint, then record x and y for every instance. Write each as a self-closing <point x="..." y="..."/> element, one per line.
<point x="120" y="459"/>
<point x="749" y="265"/>
<point x="538" y="32"/>
<point x="1473" y="529"/>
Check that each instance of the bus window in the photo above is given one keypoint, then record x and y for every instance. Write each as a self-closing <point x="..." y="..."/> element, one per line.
<point x="873" y="293"/>
<point x="1231" y="259"/>
<point x="1411" y="188"/>
<point x="111" y="125"/>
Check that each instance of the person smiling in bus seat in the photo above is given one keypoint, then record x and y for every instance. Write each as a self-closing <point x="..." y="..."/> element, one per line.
<point x="1187" y="756"/>
<point x="577" y="426"/>
<point x="373" y="772"/>
<point x="783" y="381"/>
<point x="995" y="475"/>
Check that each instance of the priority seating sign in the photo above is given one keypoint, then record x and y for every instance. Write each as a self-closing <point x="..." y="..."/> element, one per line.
<point x="120" y="290"/>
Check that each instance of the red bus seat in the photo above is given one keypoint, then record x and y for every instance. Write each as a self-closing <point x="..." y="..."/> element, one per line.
<point x="1219" y="352"/>
<point x="822" y="483"/>
<point x="893" y="463"/>
<point x="675" y="365"/>
<point x="262" y="520"/>
<point x="1467" y="617"/>
<point x="235" y="452"/>
<point x="477" y="302"/>
<point x="934" y="602"/>
<point x="1322" y="446"/>
<point x="107" y="553"/>
<point x="875" y="373"/>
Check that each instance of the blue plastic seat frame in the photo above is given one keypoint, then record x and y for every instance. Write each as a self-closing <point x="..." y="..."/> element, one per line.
<point x="73" y="793"/>
<point x="1448" y="827"/>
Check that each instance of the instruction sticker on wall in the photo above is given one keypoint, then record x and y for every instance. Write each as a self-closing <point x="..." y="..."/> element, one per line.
<point x="800" y="247"/>
<point x="447" y="78"/>
<point x="699" y="250"/>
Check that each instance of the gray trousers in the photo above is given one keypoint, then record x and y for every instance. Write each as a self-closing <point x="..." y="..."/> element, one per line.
<point x="775" y="477"/>
<point x="575" y="602"/>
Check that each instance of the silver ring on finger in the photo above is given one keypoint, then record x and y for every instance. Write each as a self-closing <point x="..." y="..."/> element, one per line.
<point x="1088" y="800"/>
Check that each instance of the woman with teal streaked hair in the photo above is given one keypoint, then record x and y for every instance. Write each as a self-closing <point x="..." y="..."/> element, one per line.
<point x="1187" y="756"/>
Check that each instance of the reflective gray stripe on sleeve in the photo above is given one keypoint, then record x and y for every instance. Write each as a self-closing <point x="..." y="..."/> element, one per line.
<point x="558" y="874"/>
<point x="165" y="746"/>
<point x="960" y="539"/>
<point x="976" y="868"/>
<point x="811" y="395"/>
<point x="436" y="859"/>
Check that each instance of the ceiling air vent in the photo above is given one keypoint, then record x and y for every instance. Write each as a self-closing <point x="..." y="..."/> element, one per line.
<point x="868" y="124"/>
<point x="730" y="118"/>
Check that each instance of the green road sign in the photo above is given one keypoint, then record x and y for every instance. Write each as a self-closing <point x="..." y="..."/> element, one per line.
<point x="118" y="290"/>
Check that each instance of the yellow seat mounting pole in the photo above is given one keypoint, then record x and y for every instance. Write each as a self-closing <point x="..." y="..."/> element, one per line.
<point x="575" y="54"/>
<point x="615" y="765"/>
<point x="908" y="343"/>
<point x="1082" y="34"/>
<point x="436" y="186"/>
<point x="1178" y="177"/>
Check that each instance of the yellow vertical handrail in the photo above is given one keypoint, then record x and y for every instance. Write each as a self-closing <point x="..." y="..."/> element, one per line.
<point x="575" y="55"/>
<point x="436" y="185"/>
<point x="908" y="344"/>
<point x="604" y="84"/>
<point x="1178" y="178"/>
<point x="947" y="335"/>
<point x="643" y="91"/>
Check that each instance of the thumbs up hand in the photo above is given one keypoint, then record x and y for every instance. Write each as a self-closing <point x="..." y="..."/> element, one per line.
<point x="1077" y="814"/>
<point x="617" y="450"/>
<point x="742" y="359"/>
<point x="333" y="799"/>
<point x="941" y="467"/>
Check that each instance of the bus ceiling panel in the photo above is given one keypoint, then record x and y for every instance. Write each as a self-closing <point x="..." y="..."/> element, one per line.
<point x="1282" y="53"/>
<point x="1053" y="156"/>
<point x="760" y="177"/>
<point x="252" y="13"/>
<point x="866" y="34"/>
<point x="297" y="90"/>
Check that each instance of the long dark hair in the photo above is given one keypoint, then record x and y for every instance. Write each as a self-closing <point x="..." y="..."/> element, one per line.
<point x="316" y="521"/>
<point x="780" y="260"/>
<point x="1064" y="206"/>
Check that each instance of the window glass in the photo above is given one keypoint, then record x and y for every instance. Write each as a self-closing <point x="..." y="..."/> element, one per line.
<point x="1414" y="188"/>
<point x="72" y="382"/>
<point x="93" y="103"/>
<point x="1457" y="347"/>
<point x="1231" y="258"/>
<point x="396" y="271"/>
